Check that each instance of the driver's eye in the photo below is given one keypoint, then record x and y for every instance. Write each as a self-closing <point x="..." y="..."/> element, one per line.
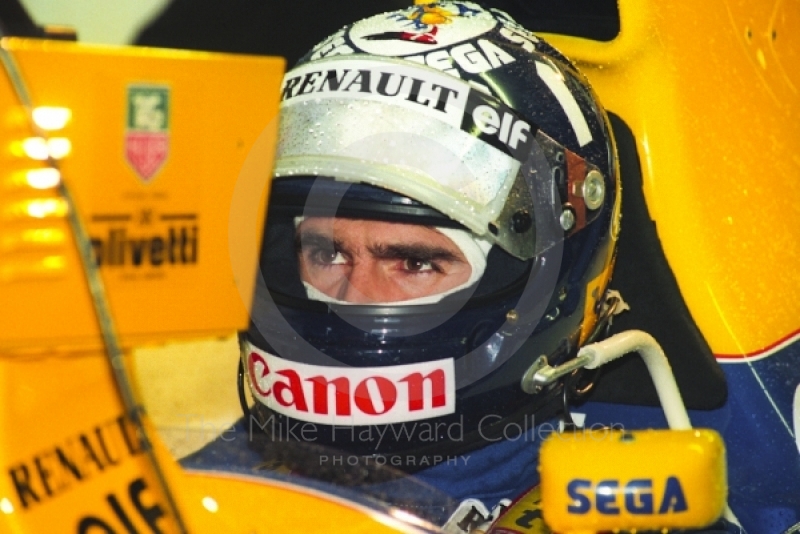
<point x="326" y="256"/>
<point x="416" y="264"/>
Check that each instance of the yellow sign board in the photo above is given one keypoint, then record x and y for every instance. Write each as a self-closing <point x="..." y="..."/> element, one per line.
<point x="168" y="155"/>
<point x="609" y="479"/>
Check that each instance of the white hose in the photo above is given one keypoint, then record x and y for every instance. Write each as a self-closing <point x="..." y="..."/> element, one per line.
<point x="620" y="344"/>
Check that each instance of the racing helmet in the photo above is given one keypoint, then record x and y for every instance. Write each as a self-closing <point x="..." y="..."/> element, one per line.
<point x="453" y="117"/>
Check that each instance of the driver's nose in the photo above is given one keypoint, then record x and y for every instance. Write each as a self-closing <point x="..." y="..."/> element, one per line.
<point x="365" y="284"/>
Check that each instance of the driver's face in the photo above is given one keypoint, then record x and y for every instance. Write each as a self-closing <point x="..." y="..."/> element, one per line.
<point x="363" y="261"/>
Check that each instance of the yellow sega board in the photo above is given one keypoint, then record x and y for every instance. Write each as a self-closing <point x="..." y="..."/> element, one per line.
<point x="168" y="155"/>
<point x="711" y="91"/>
<point x="646" y="480"/>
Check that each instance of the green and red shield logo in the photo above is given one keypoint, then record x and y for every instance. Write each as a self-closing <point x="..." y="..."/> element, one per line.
<point x="147" y="135"/>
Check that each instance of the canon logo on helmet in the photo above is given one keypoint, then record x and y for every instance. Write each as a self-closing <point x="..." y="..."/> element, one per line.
<point x="352" y="395"/>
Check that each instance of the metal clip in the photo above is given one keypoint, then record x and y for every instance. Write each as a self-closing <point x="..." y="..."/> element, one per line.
<point x="541" y="374"/>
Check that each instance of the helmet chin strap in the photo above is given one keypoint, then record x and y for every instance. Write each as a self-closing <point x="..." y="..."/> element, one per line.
<point x="475" y="250"/>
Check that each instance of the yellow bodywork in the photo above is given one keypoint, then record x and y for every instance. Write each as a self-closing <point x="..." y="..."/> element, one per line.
<point x="711" y="91"/>
<point x="177" y="248"/>
<point x="72" y="461"/>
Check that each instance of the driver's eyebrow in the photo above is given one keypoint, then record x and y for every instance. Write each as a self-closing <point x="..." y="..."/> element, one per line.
<point x="311" y="238"/>
<point x="417" y="251"/>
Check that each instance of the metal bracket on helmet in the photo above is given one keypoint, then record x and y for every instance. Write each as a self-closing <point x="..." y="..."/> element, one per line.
<point x="541" y="374"/>
<point x="551" y="170"/>
<point x="580" y="184"/>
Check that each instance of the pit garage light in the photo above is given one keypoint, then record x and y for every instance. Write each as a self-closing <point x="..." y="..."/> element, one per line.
<point x="48" y="207"/>
<point x="39" y="237"/>
<point x="51" y="118"/>
<point x="39" y="148"/>
<point x="46" y="178"/>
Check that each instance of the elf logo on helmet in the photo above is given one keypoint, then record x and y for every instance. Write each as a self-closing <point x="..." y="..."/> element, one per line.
<point x="498" y="125"/>
<point x="352" y="395"/>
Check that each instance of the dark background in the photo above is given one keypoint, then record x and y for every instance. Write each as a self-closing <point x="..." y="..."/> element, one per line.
<point x="290" y="29"/>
